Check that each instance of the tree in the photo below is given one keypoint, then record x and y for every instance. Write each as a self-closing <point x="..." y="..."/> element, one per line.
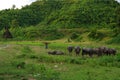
<point x="13" y="6"/>
<point x="3" y="22"/>
<point x="14" y="23"/>
<point x="118" y="16"/>
<point x="117" y="30"/>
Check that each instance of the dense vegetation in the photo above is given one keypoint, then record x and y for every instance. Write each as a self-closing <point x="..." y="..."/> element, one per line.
<point x="84" y="23"/>
<point x="51" y="17"/>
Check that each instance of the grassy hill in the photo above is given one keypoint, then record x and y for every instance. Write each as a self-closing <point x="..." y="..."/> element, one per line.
<point x="57" y="19"/>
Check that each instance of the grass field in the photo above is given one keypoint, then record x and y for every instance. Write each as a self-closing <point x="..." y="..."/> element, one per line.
<point x="28" y="60"/>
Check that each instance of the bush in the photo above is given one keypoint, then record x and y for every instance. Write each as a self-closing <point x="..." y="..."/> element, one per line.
<point x="118" y="57"/>
<point x="115" y="40"/>
<point x="33" y="56"/>
<point x="79" y="38"/>
<point x="94" y="34"/>
<point x="1" y="78"/>
<point x="32" y="34"/>
<point x="51" y="34"/>
<point x="18" y="64"/>
<point x="74" y="35"/>
<point x="18" y="33"/>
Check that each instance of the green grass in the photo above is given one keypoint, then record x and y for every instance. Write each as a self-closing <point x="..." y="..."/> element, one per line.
<point x="29" y="60"/>
<point x="87" y="72"/>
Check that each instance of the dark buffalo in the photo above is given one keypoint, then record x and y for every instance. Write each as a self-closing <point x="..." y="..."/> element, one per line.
<point x="52" y="52"/>
<point x="110" y="51"/>
<point x="113" y="51"/>
<point x="56" y="52"/>
<point x="96" y="51"/>
<point x="107" y="51"/>
<point x="77" y="50"/>
<point x="59" y="53"/>
<point x="102" y="50"/>
<point x="70" y="49"/>
<point x="87" y="51"/>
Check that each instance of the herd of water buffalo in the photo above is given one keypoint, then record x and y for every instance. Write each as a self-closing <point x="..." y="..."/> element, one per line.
<point x="86" y="51"/>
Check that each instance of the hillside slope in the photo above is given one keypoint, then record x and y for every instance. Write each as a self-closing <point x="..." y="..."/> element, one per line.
<point x="49" y="18"/>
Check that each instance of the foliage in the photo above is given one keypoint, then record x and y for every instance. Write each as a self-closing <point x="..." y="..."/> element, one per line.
<point x="96" y="34"/>
<point x="115" y="40"/>
<point x="118" y="16"/>
<point x="48" y="16"/>
<point x="32" y="33"/>
<point x="79" y="38"/>
<point x="51" y="34"/>
<point x="74" y="36"/>
<point x="18" y="33"/>
<point x="18" y="64"/>
<point x="64" y="13"/>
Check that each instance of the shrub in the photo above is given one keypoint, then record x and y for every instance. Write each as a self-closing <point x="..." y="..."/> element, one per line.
<point x="115" y="40"/>
<point x="51" y="34"/>
<point x="1" y="78"/>
<point x="18" y="64"/>
<point x="94" y="34"/>
<point x="118" y="57"/>
<point x="18" y="33"/>
<point x="79" y="38"/>
<point x="33" y="56"/>
<point x="32" y="34"/>
<point x="74" y="35"/>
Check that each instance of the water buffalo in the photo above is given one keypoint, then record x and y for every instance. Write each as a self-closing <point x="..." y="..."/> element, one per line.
<point x="77" y="50"/>
<point x="96" y="51"/>
<point x="102" y="50"/>
<point x="87" y="51"/>
<point x="113" y="51"/>
<point x="59" y="53"/>
<point x="52" y="52"/>
<point x="56" y="52"/>
<point x="110" y="51"/>
<point x="70" y="49"/>
<point x="107" y="51"/>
